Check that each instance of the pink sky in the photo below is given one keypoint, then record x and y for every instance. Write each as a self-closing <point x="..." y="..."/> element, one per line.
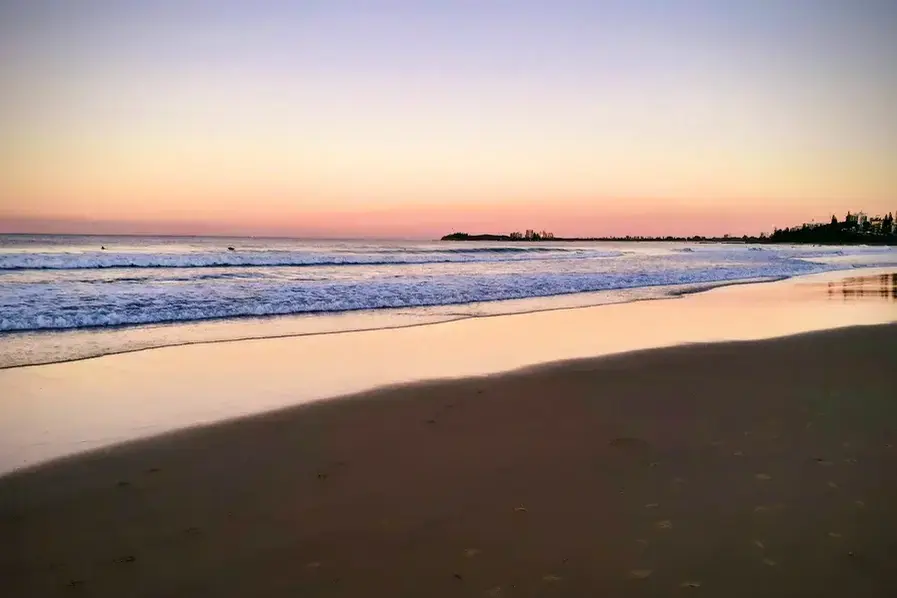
<point x="418" y="119"/>
<point x="647" y="219"/>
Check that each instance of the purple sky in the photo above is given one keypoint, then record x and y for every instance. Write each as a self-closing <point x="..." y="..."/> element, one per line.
<point x="379" y="118"/>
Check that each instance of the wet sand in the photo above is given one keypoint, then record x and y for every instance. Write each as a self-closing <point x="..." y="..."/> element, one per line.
<point x="50" y="411"/>
<point x="763" y="468"/>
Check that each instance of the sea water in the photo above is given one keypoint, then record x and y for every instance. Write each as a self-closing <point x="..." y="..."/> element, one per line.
<point x="71" y="297"/>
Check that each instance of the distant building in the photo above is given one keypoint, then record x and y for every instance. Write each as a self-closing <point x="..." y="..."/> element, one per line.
<point x="531" y="235"/>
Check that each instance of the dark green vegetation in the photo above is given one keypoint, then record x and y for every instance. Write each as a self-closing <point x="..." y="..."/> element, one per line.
<point x="538" y="237"/>
<point x="855" y="229"/>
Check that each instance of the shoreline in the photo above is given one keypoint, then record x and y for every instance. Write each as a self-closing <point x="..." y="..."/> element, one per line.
<point x="675" y="293"/>
<point x="748" y="468"/>
<point x="546" y="368"/>
<point x="68" y="408"/>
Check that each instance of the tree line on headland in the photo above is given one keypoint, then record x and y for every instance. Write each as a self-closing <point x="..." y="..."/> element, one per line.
<point x="855" y="229"/>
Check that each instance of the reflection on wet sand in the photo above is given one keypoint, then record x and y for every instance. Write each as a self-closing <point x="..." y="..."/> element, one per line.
<point x="65" y="408"/>
<point x="883" y="286"/>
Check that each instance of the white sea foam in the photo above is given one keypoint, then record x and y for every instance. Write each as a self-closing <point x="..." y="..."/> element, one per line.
<point x="275" y="258"/>
<point x="63" y="287"/>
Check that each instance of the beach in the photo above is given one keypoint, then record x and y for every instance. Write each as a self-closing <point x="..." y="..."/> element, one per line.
<point x="59" y="409"/>
<point x="443" y="299"/>
<point x="761" y="468"/>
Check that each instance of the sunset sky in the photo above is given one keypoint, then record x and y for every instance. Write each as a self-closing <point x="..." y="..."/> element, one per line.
<point x="417" y="118"/>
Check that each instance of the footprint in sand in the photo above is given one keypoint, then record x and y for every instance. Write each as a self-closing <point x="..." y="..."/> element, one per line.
<point x="768" y="508"/>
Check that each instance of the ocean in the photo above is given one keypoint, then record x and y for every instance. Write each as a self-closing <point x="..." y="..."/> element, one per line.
<point x="72" y="297"/>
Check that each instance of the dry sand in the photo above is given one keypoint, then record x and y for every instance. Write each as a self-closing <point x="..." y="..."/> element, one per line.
<point x="747" y="469"/>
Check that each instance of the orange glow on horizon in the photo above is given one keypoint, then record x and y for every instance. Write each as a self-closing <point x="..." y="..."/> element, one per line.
<point x="601" y="119"/>
<point x="630" y="217"/>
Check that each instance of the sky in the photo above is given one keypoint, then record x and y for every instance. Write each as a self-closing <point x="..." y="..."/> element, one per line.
<point x="413" y="119"/>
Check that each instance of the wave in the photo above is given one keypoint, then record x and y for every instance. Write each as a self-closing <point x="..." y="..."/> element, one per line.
<point x="98" y="260"/>
<point x="57" y="306"/>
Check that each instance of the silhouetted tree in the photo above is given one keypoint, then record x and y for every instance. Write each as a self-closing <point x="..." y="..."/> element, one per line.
<point x="857" y="228"/>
